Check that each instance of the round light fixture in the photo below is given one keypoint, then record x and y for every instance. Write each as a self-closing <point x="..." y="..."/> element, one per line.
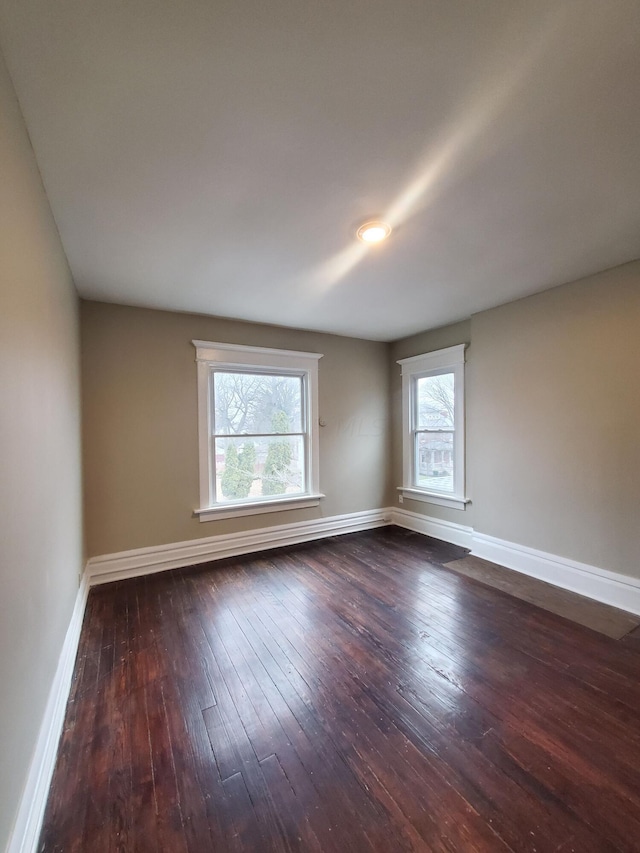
<point x="373" y="232"/>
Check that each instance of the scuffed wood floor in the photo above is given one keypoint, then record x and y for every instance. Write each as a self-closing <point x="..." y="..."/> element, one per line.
<point x="599" y="617"/>
<point x="347" y="695"/>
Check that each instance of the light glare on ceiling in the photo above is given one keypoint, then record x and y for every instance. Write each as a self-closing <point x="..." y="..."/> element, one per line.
<point x="373" y="232"/>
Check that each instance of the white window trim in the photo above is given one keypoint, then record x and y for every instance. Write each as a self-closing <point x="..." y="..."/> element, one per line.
<point x="449" y="360"/>
<point x="210" y="354"/>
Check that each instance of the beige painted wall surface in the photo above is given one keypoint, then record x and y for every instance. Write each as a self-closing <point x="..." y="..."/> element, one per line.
<point x="555" y="420"/>
<point x="140" y="424"/>
<point x="447" y="336"/>
<point x="40" y="483"/>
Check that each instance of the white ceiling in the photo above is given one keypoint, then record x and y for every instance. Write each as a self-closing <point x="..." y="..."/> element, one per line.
<point x="217" y="155"/>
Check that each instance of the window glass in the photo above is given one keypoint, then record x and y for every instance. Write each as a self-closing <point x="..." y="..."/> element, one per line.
<point x="256" y="403"/>
<point x="258" y="467"/>
<point x="435" y="401"/>
<point x="434" y="461"/>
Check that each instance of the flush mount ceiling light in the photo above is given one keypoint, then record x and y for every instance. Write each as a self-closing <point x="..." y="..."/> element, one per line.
<point x="373" y="231"/>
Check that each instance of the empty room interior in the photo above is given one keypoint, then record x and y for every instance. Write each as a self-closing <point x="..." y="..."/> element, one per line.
<point x="319" y="426"/>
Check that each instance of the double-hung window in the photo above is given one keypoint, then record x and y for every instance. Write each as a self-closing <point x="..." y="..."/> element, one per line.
<point x="433" y="427"/>
<point x="257" y="423"/>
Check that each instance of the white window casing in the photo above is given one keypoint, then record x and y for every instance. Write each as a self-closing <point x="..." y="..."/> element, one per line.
<point x="228" y="357"/>
<point x="445" y="361"/>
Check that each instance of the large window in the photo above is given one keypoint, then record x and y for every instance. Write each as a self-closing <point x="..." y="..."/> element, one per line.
<point x="258" y="429"/>
<point x="433" y="427"/>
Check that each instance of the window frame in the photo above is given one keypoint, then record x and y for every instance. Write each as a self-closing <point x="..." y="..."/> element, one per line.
<point x="449" y="360"/>
<point x="212" y="356"/>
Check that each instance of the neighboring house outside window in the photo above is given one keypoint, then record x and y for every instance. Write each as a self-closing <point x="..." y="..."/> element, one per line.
<point x="433" y="427"/>
<point x="258" y="429"/>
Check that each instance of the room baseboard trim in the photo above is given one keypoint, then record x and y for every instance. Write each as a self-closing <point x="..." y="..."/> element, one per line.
<point x="145" y="561"/>
<point x="596" y="583"/>
<point x="599" y="584"/>
<point x="28" y="823"/>
<point x="447" y="531"/>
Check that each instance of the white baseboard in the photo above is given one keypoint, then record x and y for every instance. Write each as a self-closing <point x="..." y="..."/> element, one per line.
<point x="26" y="829"/>
<point x="599" y="584"/>
<point x="447" y="531"/>
<point x="144" y="561"/>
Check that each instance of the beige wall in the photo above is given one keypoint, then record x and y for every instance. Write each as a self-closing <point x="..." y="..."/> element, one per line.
<point x="447" y="336"/>
<point x="553" y="419"/>
<point x="40" y="494"/>
<point x="140" y="424"/>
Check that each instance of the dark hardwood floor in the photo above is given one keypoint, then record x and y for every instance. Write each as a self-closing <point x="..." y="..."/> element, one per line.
<point x="346" y="695"/>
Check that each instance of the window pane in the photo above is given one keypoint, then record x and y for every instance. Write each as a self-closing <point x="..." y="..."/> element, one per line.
<point x="434" y="461"/>
<point x="256" y="403"/>
<point x="262" y="467"/>
<point x="436" y="402"/>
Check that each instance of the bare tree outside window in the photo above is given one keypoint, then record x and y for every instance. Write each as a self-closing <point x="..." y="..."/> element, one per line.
<point x="236" y="396"/>
<point x="246" y="403"/>
<point x="436" y="397"/>
<point x="258" y="435"/>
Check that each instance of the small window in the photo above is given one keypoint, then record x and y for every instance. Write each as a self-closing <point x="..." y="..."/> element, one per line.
<point x="258" y="429"/>
<point x="433" y="427"/>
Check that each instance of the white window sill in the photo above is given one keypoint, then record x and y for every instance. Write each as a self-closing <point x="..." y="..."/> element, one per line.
<point x="231" y="510"/>
<point x="453" y="501"/>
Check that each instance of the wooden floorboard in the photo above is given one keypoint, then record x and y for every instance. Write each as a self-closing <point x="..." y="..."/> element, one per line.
<point x="348" y="695"/>
<point x="610" y="621"/>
